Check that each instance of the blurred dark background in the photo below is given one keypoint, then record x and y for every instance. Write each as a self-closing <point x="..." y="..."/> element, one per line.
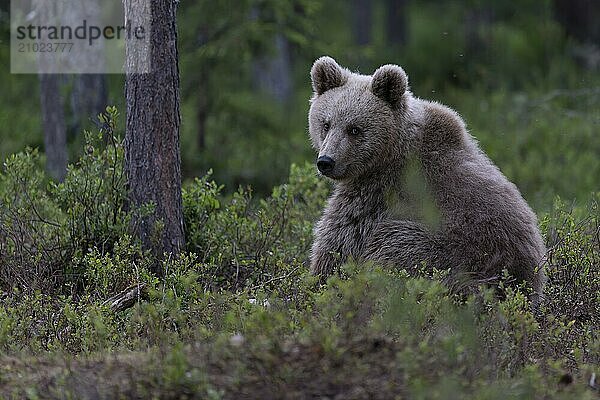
<point x="524" y="75"/>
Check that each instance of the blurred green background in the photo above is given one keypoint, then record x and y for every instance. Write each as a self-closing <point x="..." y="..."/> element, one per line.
<point x="524" y="75"/>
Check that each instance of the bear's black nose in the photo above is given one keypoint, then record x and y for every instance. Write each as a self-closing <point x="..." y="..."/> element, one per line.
<point x="325" y="164"/>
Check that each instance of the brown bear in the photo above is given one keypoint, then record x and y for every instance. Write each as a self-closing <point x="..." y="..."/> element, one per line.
<point x="365" y="129"/>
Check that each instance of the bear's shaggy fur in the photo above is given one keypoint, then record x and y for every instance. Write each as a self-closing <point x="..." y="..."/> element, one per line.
<point x="369" y="126"/>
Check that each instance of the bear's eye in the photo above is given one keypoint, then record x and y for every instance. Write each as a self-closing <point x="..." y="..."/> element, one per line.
<point x="326" y="126"/>
<point x="353" y="131"/>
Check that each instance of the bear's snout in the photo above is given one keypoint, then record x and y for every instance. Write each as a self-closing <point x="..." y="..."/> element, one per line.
<point x="325" y="164"/>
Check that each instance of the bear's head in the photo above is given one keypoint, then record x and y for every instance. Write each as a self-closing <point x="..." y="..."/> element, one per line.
<point x="355" y="121"/>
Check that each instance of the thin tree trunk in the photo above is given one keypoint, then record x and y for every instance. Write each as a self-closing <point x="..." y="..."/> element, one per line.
<point x="580" y="19"/>
<point x="272" y="72"/>
<point x="201" y="115"/>
<point x="202" y="110"/>
<point x="477" y="19"/>
<point x="52" y="105"/>
<point x="396" y="27"/>
<point x="89" y="97"/>
<point x="53" y="125"/>
<point x="152" y="134"/>
<point x="362" y="15"/>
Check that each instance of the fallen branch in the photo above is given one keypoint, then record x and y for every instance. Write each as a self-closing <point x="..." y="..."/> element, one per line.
<point x="127" y="298"/>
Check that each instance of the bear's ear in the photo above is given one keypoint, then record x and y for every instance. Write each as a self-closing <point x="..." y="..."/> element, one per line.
<point x="389" y="83"/>
<point x="326" y="74"/>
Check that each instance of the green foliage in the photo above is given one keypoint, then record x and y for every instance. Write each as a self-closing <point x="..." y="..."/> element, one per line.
<point x="107" y="271"/>
<point x="240" y="314"/>
<point x="48" y="229"/>
<point x="36" y="322"/>
<point x="30" y="223"/>
<point x="573" y="296"/>
<point x="93" y="192"/>
<point x="246" y="243"/>
<point x="389" y="333"/>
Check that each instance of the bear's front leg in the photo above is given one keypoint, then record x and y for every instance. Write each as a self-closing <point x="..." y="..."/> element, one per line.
<point x="400" y="243"/>
<point x="323" y="261"/>
<point x="337" y="238"/>
<point x="326" y="252"/>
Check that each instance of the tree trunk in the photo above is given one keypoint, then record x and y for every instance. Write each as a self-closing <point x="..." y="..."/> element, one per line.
<point x="362" y="15"/>
<point x="201" y="116"/>
<point x="53" y="114"/>
<point x="396" y="27"/>
<point x="152" y="158"/>
<point x="580" y="19"/>
<point x="89" y="97"/>
<point x="477" y="19"/>
<point x="273" y="72"/>
<point x="202" y="110"/>
<point x="53" y="125"/>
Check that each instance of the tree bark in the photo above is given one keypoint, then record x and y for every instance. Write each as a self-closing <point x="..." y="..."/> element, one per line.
<point x="53" y="125"/>
<point x="152" y="158"/>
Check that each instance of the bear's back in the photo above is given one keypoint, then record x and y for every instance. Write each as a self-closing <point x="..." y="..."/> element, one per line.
<point x="487" y="225"/>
